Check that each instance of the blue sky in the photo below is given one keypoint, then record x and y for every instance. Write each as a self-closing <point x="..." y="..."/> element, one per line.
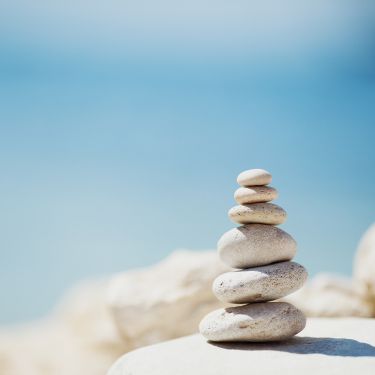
<point x="124" y="126"/>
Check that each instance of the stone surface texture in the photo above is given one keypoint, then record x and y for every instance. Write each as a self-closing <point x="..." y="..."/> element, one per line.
<point x="260" y="319"/>
<point x="326" y="347"/>
<point x="255" y="194"/>
<point x="256" y="322"/>
<point x="253" y="177"/>
<point x="262" y="213"/>
<point x="260" y="284"/>
<point x="255" y="245"/>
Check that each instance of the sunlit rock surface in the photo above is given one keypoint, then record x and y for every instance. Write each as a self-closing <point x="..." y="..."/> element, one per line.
<point x="327" y="347"/>
<point x="167" y="300"/>
<point x="332" y="296"/>
<point x="98" y="321"/>
<point x="364" y="263"/>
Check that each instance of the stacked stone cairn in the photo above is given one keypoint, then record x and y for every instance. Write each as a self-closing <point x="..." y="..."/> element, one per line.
<point x="262" y="253"/>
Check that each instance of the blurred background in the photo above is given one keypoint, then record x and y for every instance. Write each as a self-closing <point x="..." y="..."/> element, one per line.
<point x="125" y="123"/>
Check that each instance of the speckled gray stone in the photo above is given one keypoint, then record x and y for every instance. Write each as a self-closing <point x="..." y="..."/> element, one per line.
<point x="260" y="284"/>
<point x="253" y="177"/>
<point x="254" y="245"/>
<point x="255" y="194"/>
<point x="269" y="321"/>
<point x="264" y="213"/>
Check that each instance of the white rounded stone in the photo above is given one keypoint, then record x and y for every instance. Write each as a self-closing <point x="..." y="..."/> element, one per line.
<point x="260" y="284"/>
<point x="269" y="321"/>
<point x="253" y="177"/>
<point x="255" y="194"/>
<point x="263" y="213"/>
<point x="256" y="245"/>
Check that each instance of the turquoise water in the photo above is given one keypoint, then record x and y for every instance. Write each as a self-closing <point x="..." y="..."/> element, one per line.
<point x="112" y="163"/>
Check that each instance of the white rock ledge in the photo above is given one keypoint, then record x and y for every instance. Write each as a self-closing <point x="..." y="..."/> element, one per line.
<point x="327" y="346"/>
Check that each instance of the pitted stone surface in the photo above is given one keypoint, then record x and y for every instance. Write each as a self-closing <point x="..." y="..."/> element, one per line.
<point x="263" y="213"/>
<point x="255" y="194"/>
<point x="260" y="284"/>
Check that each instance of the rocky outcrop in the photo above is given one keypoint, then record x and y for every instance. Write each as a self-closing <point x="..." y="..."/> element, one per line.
<point x="326" y="347"/>
<point x="332" y="296"/>
<point x="98" y="321"/>
<point x="79" y="337"/>
<point x="337" y="296"/>
<point x="364" y="263"/>
<point x="167" y="300"/>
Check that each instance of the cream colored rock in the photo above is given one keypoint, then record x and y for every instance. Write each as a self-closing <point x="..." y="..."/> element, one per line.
<point x="78" y="337"/>
<point x="325" y="347"/>
<point x="255" y="194"/>
<point x="263" y="213"/>
<point x="166" y="300"/>
<point x="333" y="296"/>
<point x="256" y="245"/>
<point x="253" y="177"/>
<point x="364" y="263"/>
<point x="256" y="322"/>
<point x="260" y="284"/>
<point x="85" y="335"/>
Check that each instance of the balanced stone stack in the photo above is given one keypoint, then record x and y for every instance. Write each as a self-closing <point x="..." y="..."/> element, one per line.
<point x="262" y="252"/>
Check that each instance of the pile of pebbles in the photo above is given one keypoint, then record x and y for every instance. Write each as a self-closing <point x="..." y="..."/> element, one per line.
<point x="262" y="253"/>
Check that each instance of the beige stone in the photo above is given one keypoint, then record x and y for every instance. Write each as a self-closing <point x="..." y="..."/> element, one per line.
<point x="263" y="213"/>
<point x="256" y="245"/>
<point x="253" y="177"/>
<point x="329" y="295"/>
<point x="85" y="334"/>
<point x="364" y="262"/>
<point x="179" y="287"/>
<point x="325" y="347"/>
<point x="260" y="284"/>
<point x="78" y="337"/>
<point x="255" y="194"/>
<point x="256" y="322"/>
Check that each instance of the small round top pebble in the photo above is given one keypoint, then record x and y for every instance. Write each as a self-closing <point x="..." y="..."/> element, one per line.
<point x="254" y="177"/>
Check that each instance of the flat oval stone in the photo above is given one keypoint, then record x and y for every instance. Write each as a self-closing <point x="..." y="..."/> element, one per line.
<point x="264" y="213"/>
<point x="260" y="284"/>
<point x="253" y="177"/>
<point x="255" y="194"/>
<point x="268" y="321"/>
<point x="255" y="245"/>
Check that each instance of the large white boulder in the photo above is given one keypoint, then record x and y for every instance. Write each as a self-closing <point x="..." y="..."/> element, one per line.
<point x="325" y="347"/>
<point x="364" y="262"/>
<point x="85" y="334"/>
<point x="332" y="296"/>
<point x="167" y="300"/>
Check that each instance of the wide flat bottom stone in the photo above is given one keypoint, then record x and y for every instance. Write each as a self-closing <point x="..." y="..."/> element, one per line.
<point x="326" y="346"/>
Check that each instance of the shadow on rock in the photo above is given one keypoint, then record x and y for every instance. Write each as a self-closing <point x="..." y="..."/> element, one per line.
<point x="309" y="345"/>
